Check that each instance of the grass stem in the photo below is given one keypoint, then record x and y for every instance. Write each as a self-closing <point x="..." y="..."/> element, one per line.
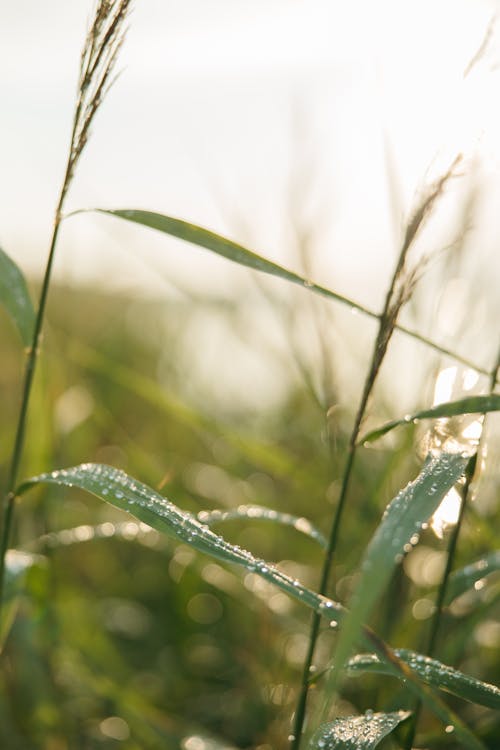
<point x="101" y="47"/>
<point x="399" y="291"/>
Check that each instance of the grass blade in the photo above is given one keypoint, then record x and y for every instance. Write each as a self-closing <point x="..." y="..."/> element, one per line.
<point x="197" y="235"/>
<point x="433" y="673"/>
<point x="260" y="513"/>
<point x="124" y="492"/>
<point x="399" y="529"/>
<point x="356" y="732"/>
<point x="469" y="405"/>
<point x="14" y="296"/>
<point x="239" y="254"/>
<point x="464" y="579"/>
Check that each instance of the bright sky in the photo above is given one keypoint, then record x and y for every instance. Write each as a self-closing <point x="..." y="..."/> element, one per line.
<point x="260" y="120"/>
<point x="226" y="109"/>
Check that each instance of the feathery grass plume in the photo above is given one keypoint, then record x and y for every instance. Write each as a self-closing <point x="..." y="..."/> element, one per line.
<point x="100" y="51"/>
<point x="104" y="39"/>
<point x="404" y="280"/>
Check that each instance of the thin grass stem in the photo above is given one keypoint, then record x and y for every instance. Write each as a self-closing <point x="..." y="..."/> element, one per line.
<point x="26" y="393"/>
<point x="399" y="291"/>
<point x="84" y="111"/>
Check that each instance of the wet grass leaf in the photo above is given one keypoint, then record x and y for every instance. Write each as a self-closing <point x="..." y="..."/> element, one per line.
<point x="464" y="579"/>
<point x="433" y="673"/>
<point x="260" y="513"/>
<point x="397" y="532"/>
<point x="357" y="732"/>
<point x="469" y="405"/>
<point x="124" y="492"/>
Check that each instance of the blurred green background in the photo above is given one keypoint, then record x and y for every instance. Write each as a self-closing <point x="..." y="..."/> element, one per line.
<point x="129" y="639"/>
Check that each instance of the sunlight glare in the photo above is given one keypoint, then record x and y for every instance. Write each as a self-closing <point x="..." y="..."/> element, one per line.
<point x="447" y="513"/>
<point x="473" y="431"/>
<point x="444" y="385"/>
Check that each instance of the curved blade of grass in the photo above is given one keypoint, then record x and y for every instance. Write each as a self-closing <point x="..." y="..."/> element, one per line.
<point x="122" y="491"/>
<point x="260" y="513"/>
<point x="130" y="530"/>
<point x="241" y="255"/>
<point x="433" y="673"/>
<point x="356" y="732"/>
<point x="14" y="296"/>
<point x="222" y="246"/>
<point x="398" y="530"/>
<point x="469" y="405"/>
<point x="464" y="579"/>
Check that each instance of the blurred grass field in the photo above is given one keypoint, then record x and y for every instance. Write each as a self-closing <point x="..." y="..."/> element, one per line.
<point x="130" y="639"/>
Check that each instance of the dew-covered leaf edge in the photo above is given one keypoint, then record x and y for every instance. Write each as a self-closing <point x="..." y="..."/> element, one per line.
<point x="116" y="487"/>
<point x="253" y="512"/>
<point x="465" y="578"/>
<point x="399" y="530"/>
<point x="469" y="405"/>
<point x="433" y="673"/>
<point x="362" y="732"/>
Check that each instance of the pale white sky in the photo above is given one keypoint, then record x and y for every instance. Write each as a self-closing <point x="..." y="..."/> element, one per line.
<point x="254" y="119"/>
<point x="225" y="108"/>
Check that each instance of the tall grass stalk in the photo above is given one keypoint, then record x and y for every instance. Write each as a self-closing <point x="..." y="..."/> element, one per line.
<point x="399" y="291"/>
<point x="100" y="50"/>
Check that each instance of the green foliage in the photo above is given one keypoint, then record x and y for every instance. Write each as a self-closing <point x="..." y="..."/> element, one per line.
<point x="110" y="634"/>
<point x="14" y="296"/>
<point x="469" y="405"/>
<point x="398" y="531"/>
<point x="432" y="672"/>
<point x="357" y="732"/>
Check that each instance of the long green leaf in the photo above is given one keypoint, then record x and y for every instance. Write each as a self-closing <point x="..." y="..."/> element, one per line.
<point x="469" y="405"/>
<point x="130" y="530"/>
<point x="122" y="491"/>
<point x="397" y="532"/>
<point x="260" y="513"/>
<point x="433" y="673"/>
<point x="356" y="732"/>
<point x="239" y="254"/>
<point x="14" y="296"/>
<point x="464" y="579"/>
<point x="224" y="247"/>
